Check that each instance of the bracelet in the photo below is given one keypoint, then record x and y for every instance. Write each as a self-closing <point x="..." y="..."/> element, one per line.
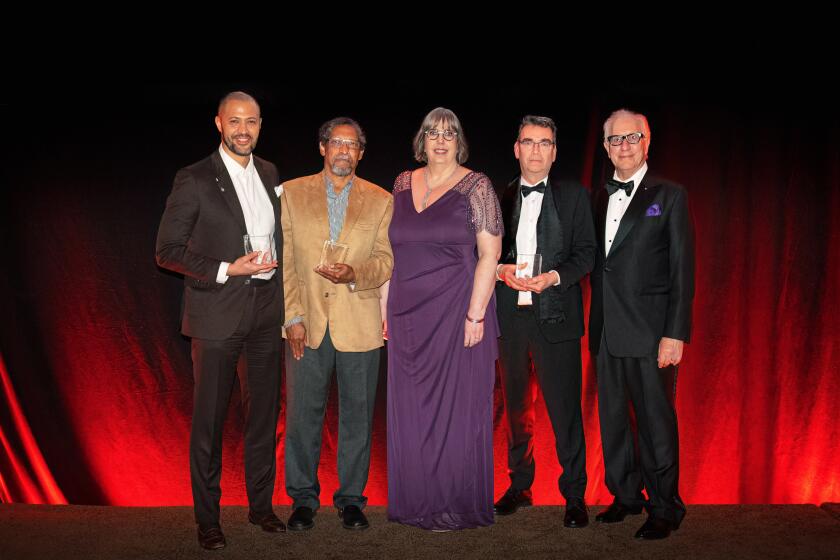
<point x="471" y="320"/>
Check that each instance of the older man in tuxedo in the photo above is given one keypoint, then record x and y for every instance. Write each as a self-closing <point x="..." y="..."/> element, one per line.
<point x="233" y="305"/>
<point x="640" y="320"/>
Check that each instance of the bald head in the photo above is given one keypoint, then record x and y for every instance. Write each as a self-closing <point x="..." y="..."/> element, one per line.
<point x="237" y="96"/>
<point x="239" y="123"/>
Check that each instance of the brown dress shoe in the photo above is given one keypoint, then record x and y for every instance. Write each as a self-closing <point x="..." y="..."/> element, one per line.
<point x="512" y="501"/>
<point x="268" y="521"/>
<point x="212" y="538"/>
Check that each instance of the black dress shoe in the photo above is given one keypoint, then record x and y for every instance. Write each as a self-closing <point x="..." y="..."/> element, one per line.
<point x="353" y="518"/>
<point x="211" y="539"/>
<point x="576" y="515"/>
<point x="654" y="528"/>
<point x="301" y="519"/>
<point x="617" y="512"/>
<point x="268" y="521"/>
<point x="512" y="501"/>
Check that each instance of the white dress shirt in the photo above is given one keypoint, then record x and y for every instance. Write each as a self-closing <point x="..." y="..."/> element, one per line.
<point x="526" y="232"/>
<point x="256" y="206"/>
<point x="619" y="201"/>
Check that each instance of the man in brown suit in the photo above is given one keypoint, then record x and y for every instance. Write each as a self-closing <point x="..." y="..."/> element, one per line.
<point x="232" y="308"/>
<point x="333" y="319"/>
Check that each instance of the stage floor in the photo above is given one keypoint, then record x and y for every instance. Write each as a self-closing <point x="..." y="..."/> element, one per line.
<point x="724" y="531"/>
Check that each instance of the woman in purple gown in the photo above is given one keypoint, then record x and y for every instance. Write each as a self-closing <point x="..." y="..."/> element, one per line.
<point x="446" y="237"/>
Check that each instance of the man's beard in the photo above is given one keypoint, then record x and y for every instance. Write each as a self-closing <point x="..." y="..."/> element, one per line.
<point x="240" y="151"/>
<point x="339" y="170"/>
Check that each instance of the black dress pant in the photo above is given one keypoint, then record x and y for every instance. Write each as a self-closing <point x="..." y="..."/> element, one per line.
<point x="636" y="390"/>
<point x="258" y="339"/>
<point x="558" y="370"/>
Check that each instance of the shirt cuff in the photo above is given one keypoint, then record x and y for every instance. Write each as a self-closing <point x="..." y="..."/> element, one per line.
<point x="558" y="277"/>
<point x="222" y="275"/>
<point x="293" y="321"/>
<point x="352" y="286"/>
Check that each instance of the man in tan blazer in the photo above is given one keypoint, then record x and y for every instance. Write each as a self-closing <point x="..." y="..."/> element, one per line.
<point x="333" y="320"/>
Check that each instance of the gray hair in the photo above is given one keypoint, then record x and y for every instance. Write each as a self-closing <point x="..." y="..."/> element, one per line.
<point x="431" y="120"/>
<point x="544" y="122"/>
<point x="237" y="96"/>
<point x="642" y="120"/>
<point x="326" y="129"/>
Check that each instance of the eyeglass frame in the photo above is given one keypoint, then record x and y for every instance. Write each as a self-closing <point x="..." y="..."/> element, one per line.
<point x="434" y="134"/>
<point x="622" y="137"/>
<point x="545" y="143"/>
<point x="337" y="143"/>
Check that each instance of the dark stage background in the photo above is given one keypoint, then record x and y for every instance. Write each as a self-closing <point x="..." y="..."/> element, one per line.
<point x="95" y="380"/>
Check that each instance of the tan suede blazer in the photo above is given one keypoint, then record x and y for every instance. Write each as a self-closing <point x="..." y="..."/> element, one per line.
<point x="353" y="315"/>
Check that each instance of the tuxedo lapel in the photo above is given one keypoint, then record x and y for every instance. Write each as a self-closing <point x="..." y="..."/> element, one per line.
<point x="227" y="192"/>
<point x="549" y="227"/>
<point x="635" y="211"/>
<point x="602" y="200"/>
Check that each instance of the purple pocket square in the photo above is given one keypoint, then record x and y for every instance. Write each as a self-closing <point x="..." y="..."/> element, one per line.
<point x="653" y="210"/>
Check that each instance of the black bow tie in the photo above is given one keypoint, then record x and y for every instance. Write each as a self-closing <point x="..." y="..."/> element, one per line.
<point x="540" y="188"/>
<point x="613" y="186"/>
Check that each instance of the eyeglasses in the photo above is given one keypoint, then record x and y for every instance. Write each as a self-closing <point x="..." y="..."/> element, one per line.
<point x="529" y="142"/>
<point x="618" y="139"/>
<point x="337" y="143"/>
<point x="448" y="135"/>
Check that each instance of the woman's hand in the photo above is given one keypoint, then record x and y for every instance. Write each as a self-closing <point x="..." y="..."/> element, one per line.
<point x="473" y="333"/>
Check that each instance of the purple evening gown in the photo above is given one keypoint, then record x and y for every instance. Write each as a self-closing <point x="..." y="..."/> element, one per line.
<point x="440" y="394"/>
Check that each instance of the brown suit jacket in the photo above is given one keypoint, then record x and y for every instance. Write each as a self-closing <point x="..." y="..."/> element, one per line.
<point x="202" y="226"/>
<point x="353" y="316"/>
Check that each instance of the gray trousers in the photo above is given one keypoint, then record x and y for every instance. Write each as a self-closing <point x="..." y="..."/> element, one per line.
<point x="307" y="388"/>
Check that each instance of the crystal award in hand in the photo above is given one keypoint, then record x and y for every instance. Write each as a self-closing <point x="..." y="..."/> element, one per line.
<point x="332" y="253"/>
<point x="262" y="243"/>
<point x="532" y="265"/>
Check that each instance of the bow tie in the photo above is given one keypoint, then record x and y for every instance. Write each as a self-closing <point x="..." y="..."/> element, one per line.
<point x="613" y="186"/>
<point x="540" y="188"/>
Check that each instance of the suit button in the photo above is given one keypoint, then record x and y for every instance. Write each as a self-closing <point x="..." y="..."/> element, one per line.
<point x="326" y="294"/>
<point x="607" y="269"/>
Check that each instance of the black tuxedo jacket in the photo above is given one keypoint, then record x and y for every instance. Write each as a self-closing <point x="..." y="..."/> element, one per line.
<point x="202" y="226"/>
<point x="566" y="241"/>
<point x="643" y="290"/>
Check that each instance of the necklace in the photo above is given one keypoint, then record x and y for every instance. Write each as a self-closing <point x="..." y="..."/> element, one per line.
<point x="428" y="188"/>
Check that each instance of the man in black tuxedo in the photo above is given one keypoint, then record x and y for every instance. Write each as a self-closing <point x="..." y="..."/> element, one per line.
<point x="543" y="316"/>
<point x="640" y="318"/>
<point x="233" y="304"/>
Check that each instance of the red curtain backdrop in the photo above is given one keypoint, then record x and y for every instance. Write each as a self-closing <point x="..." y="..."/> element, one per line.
<point x="96" y="391"/>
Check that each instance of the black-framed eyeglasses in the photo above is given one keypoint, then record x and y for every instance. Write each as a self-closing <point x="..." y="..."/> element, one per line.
<point x="434" y="133"/>
<point x="337" y="143"/>
<point x="545" y="143"/>
<point x="618" y="139"/>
